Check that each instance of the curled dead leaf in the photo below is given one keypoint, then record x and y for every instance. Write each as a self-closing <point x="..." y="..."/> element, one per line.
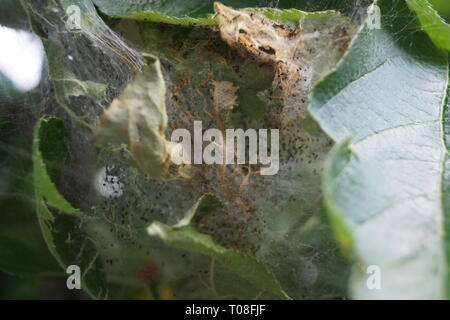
<point x="138" y="120"/>
<point x="267" y="41"/>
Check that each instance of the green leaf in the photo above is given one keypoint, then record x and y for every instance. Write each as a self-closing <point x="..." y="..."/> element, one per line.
<point x="443" y="7"/>
<point x="184" y="236"/>
<point x="49" y="131"/>
<point x="18" y="258"/>
<point x="197" y="12"/>
<point x="68" y="244"/>
<point x="387" y="192"/>
<point x="432" y="23"/>
<point x="337" y="160"/>
<point x="286" y="15"/>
